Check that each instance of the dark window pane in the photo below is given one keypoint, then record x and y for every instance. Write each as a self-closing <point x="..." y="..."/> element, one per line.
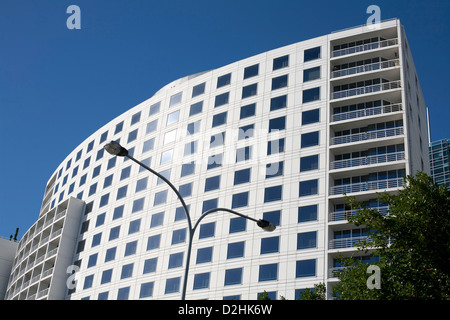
<point x="311" y="74"/>
<point x="310" y="95"/>
<point x="278" y="103"/>
<point x="280" y="82"/>
<point x="251" y="71"/>
<point x="312" y="54"/>
<point x="281" y="62"/>
<point x="309" y="163"/>
<point x="310" y="116"/>
<point x="310" y="139"/>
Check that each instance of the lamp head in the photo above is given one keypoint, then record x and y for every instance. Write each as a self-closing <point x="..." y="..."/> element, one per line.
<point x="266" y="225"/>
<point x="115" y="149"/>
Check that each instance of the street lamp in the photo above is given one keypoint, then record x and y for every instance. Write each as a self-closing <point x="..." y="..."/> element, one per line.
<point x="116" y="149"/>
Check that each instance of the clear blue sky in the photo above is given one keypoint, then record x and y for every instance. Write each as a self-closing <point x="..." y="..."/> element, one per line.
<point x="58" y="86"/>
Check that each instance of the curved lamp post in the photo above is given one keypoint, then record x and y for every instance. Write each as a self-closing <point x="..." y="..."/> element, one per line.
<point x="116" y="149"/>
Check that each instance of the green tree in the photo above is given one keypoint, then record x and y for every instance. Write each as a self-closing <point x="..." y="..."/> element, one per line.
<point x="318" y="293"/>
<point x="412" y="241"/>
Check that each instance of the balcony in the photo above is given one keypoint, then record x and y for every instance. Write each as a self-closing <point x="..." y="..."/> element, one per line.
<point x="370" y="160"/>
<point x="375" y="134"/>
<point x="344" y="215"/>
<point x="367" y="186"/>
<point x="346" y="242"/>
<point x="365" y="47"/>
<point x="365" y="68"/>
<point x="366" y="89"/>
<point x="366" y="112"/>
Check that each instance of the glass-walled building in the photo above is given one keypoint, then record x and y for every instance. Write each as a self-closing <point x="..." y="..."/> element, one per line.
<point x="279" y="136"/>
<point x="439" y="162"/>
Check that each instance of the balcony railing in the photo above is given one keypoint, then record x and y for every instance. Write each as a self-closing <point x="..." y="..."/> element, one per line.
<point x="375" y="134"/>
<point x="364" y="161"/>
<point x="367" y="112"/>
<point x="346" y="242"/>
<point x="366" y="89"/>
<point x="367" y="186"/>
<point x="364" y="47"/>
<point x="344" y="215"/>
<point x="365" y="68"/>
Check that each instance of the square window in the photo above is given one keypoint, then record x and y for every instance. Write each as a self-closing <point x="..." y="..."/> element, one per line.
<point x="277" y="124"/>
<point x="175" y="99"/>
<point x="306" y="240"/>
<point x="311" y="95"/>
<point x="273" y="216"/>
<point x="173" y="117"/>
<point x="88" y="281"/>
<point x="217" y="140"/>
<point x="281" y="62"/>
<point x="311" y="116"/>
<point x="141" y="184"/>
<point x="204" y="255"/>
<point x="151" y="126"/>
<point x="246" y="132"/>
<point x="240" y="200"/>
<point x="160" y="198"/>
<point x="186" y="189"/>
<point x="193" y="128"/>
<point x="308" y="188"/>
<point x="170" y="136"/>
<point x="187" y="169"/>
<point x="274" y="169"/>
<point x="150" y="265"/>
<point x="118" y="129"/>
<point x="96" y="239"/>
<point x="132" y="136"/>
<point x="238" y="224"/>
<point x="176" y="260"/>
<point x="110" y="254"/>
<point x="114" y="233"/>
<point x="250" y="90"/>
<point x="221" y="99"/>
<point x="219" y="119"/>
<point x="242" y="176"/>
<point x="305" y="268"/>
<point x="130" y="248"/>
<point x="278" y="103"/>
<point x="251" y="71"/>
<point x="106" y="276"/>
<point x="273" y="193"/>
<point x="121" y="192"/>
<point x="172" y="285"/>
<point x="179" y="236"/>
<point x="223" y="80"/>
<point x="207" y="230"/>
<point x="201" y="281"/>
<point x="309" y="163"/>
<point x="311" y="54"/>
<point x="123" y="293"/>
<point x="212" y="183"/>
<point x="92" y="260"/>
<point x="310" y="139"/>
<point x="180" y="213"/>
<point x="146" y="290"/>
<point x="108" y="181"/>
<point x="125" y="173"/>
<point x="190" y="148"/>
<point x="134" y="226"/>
<point x="166" y="156"/>
<point x="270" y="245"/>
<point x="233" y="276"/>
<point x="154" y="109"/>
<point x="118" y="212"/>
<point x="268" y="272"/>
<point x="196" y="108"/>
<point x="275" y="146"/>
<point x="138" y="205"/>
<point x="157" y="220"/>
<point x="127" y="271"/>
<point x="307" y="213"/>
<point x="311" y="74"/>
<point x="243" y="154"/>
<point x="247" y="111"/>
<point x="235" y="250"/>
<point x="153" y="242"/>
<point x="280" y="82"/>
<point x="209" y="204"/>
<point x="214" y="161"/>
<point x="198" y="90"/>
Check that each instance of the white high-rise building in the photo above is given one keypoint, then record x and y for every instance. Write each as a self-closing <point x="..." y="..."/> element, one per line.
<point x="278" y="136"/>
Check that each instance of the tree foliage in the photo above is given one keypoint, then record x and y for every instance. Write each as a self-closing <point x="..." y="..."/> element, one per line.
<point x="412" y="241"/>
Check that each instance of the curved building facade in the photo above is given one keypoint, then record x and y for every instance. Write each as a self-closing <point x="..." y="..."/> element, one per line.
<point x="278" y="136"/>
